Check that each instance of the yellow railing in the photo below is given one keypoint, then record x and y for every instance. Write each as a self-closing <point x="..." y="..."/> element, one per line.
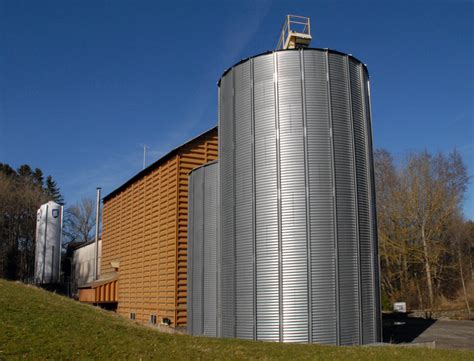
<point x="293" y="24"/>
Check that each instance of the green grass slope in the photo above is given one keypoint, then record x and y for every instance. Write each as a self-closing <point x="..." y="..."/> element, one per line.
<point x="36" y="324"/>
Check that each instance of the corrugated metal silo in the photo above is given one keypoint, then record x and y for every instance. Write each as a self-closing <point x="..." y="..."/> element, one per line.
<point x="298" y="227"/>
<point x="202" y="303"/>
<point x="49" y="220"/>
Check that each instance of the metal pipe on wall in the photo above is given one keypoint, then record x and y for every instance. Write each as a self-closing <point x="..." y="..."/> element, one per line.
<point x="97" y="222"/>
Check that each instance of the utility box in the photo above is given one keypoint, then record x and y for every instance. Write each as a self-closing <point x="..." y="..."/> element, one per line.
<point x="400" y="307"/>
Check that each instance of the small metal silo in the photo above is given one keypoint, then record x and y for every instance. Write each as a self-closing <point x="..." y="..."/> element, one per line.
<point x="49" y="221"/>
<point x="203" y="292"/>
<point x="298" y="226"/>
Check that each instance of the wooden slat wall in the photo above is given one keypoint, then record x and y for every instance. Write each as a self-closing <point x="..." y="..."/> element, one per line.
<point x="145" y="228"/>
<point x="106" y="292"/>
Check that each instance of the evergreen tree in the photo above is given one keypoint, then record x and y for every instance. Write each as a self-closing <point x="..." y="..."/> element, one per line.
<point x="7" y="170"/>
<point x="38" y="178"/>
<point x="22" y="191"/>
<point x="52" y="190"/>
<point x="25" y="173"/>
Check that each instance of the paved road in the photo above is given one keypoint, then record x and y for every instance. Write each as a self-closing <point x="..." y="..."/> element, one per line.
<point x="449" y="334"/>
<point x="446" y="334"/>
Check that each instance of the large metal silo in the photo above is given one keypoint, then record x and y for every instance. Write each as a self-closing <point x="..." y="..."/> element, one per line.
<point x="203" y="292"/>
<point x="49" y="221"/>
<point x="298" y="226"/>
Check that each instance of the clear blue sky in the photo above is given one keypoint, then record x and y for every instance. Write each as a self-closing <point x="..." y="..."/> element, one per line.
<point x="84" y="83"/>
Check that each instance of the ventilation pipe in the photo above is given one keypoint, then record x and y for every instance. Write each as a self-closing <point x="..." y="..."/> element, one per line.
<point x="97" y="218"/>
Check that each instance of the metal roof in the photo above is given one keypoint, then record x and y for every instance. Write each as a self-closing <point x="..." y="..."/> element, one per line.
<point x="155" y="165"/>
<point x="77" y="245"/>
<point x="277" y="51"/>
<point x="114" y="276"/>
<point x="204" y="165"/>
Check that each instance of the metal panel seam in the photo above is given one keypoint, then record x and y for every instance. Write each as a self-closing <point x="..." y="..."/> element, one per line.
<point x="356" y="202"/>
<point x="219" y="258"/>
<point x="336" y="246"/>
<point x="218" y="225"/>
<point x="308" y="210"/>
<point x="44" y="245"/>
<point x="376" y="242"/>
<point x="364" y="96"/>
<point x="278" y="171"/>
<point x="190" y="265"/>
<point x="234" y="206"/>
<point x="254" y="237"/>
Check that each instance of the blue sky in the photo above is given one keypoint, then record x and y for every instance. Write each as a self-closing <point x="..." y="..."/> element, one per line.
<point x="85" y="83"/>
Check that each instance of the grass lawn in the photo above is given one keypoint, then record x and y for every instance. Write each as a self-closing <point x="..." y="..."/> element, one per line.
<point x="36" y="324"/>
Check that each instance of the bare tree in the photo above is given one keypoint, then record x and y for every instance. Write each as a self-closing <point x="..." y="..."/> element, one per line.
<point x="79" y="221"/>
<point x="463" y="245"/>
<point x="418" y="204"/>
<point x="433" y="188"/>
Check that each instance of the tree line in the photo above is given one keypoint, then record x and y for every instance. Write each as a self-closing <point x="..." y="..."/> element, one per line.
<point x="22" y="192"/>
<point x="426" y="246"/>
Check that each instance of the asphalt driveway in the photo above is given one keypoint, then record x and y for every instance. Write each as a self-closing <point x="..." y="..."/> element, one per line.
<point x="445" y="333"/>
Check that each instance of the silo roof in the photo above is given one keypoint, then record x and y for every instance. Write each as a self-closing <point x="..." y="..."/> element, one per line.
<point x="276" y="51"/>
<point x="204" y="165"/>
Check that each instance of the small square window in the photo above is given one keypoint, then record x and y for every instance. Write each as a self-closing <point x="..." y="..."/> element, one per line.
<point x="132" y="316"/>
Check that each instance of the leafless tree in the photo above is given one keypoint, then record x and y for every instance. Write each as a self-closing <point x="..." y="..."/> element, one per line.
<point x="79" y="221"/>
<point x="419" y="207"/>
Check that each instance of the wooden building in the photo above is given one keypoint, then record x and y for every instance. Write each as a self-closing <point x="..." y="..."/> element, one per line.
<point x="144" y="235"/>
